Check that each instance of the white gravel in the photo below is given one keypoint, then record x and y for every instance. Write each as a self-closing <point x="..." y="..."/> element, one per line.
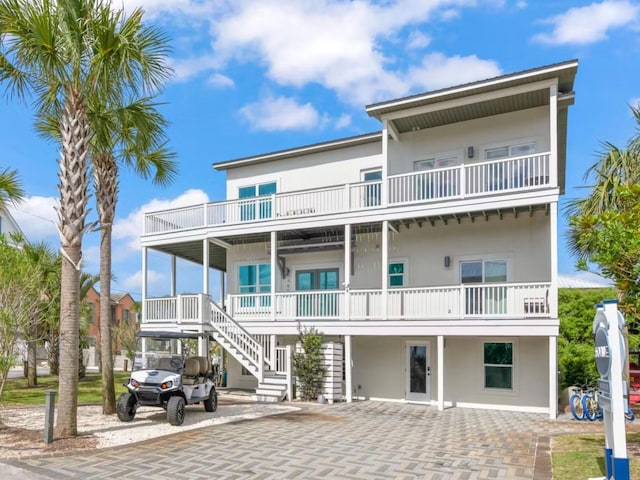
<point x="149" y="422"/>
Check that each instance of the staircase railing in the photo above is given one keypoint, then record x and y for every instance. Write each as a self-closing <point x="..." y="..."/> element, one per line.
<point x="239" y="338"/>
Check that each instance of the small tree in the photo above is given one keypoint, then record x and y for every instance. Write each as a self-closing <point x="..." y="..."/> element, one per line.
<point x="307" y="363"/>
<point x="124" y="337"/>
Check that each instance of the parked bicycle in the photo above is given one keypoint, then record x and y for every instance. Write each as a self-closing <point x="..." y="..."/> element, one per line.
<point x="576" y="403"/>
<point x="593" y="411"/>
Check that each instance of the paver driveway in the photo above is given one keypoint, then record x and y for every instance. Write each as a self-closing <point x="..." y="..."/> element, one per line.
<point x="363" y="440"/>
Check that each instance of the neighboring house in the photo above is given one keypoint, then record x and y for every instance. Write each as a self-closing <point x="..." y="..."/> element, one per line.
<point x="428" y="249"/>
<point x="122" y="310"/>
<point x="8" y="224"/>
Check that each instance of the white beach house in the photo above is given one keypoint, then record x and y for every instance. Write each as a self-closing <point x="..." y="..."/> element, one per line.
<point x="427" y="251"/>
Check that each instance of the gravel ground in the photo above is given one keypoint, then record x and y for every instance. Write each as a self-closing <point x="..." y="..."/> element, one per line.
<point x="21" y="430"/>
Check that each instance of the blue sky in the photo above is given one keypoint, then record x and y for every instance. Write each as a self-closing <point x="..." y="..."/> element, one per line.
<point x="253" y="76"/>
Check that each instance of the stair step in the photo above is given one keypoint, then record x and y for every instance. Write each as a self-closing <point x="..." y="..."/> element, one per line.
<point x="269" y="386"/>
<point x="267" y="398"/>
<point x="280" y="380"/>
<point x="270" y="393"/>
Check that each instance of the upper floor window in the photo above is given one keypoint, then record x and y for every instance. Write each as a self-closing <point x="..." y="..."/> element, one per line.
<point x="442" y="183"/>
<point x="248" y="210"/>
<point x="254" y="279"/>
<point x="397" y="271"/>
<point x="436" y="162"/>
<point x="372" y="192"/>
<point x="507" y="151"/>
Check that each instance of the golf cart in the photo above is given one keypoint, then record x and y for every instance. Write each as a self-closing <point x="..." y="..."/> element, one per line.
<point x="164" y="376"/>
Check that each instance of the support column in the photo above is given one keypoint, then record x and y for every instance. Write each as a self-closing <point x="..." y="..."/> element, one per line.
<point x="440" y="372"/>
<point x="553" y="228"/>
<point x="222" y="290"/>
<point x="384" y="187"/>
<point x="144" y="284"/>
<point x="274" y="267"/>
<point x="385" y="267"/>
<point x="553" y="135"/>
<point x="348" y="366"/>
<point x="347" y="272"/>
<point x="173" y="275"/>
<point x="553" y="377"/>
<point x="205" y="266"/>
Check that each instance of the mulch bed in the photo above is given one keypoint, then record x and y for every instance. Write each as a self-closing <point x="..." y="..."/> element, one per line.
<point x="15" y="442"/>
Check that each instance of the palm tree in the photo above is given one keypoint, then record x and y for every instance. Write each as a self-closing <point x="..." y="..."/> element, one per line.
<point x="68" y="53"/>
<point x="135" y="136"/>
<point x="10" y="188"/>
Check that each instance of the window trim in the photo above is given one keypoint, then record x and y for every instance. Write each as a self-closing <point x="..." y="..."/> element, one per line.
<point x="458" y="154"/>
<point x="514" y="390"/>
<point x="510" y="143"/>
<point x="405" y="274"/>
<point x="256" y="185"/>
<point x="509" y="258"/>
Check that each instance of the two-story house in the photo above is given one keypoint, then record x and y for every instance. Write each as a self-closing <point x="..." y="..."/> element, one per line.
<point x="427" y="249"/>
<point x="122" y="307"/>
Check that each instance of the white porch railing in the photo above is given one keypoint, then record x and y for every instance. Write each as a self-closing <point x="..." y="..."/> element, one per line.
<point x="507" y="300"/>
<point x="475" y="179"/>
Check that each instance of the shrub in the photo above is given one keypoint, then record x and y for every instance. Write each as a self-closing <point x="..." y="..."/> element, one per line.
<point x="308" y="364"/>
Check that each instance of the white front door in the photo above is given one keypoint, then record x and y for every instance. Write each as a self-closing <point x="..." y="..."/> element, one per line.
<point x="418" y="372"/>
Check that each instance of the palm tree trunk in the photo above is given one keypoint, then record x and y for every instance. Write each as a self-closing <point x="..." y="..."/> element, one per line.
<point x="32" y="351"/>
<point x="75" y="136"/>
<point x="106" y="185"/>
<point x="106" y="354"/>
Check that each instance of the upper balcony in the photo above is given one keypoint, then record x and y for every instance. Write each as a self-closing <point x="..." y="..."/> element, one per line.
<point x="475" y="180"/>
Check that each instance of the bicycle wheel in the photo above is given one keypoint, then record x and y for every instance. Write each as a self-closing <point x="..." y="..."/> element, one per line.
<point x="590" y="407"/>
<point x="575" y="403"/>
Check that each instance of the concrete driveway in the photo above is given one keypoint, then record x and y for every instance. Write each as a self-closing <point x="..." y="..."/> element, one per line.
<point x="363" y="440"/>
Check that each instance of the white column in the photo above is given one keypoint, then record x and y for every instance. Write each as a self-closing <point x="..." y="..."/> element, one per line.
<point x="553" y="293"/>
<point x="385" y="267"/>
<point x="553" y="134"/>
<point x="347" y="272"/>
<point x="203" y="347"/>
<point x="144" y="285"/>
<point x="173" y="275"/>
<point x="384" y="194"/>
<point x="222" y="288"/>
<point x="205" y="266"/>
<point x="274" y="267"/>
<point x="553" y="377"/>
<point x="348" y="365"/>
<point x="440" y="372"/>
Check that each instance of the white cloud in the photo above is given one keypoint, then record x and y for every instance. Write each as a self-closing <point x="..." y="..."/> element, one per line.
<point x="281" y="113"/>
<point x="219" y="80"/>
<point x="133" y="283"/>
<point x="37" y="218"/>
<point x="418" y="40"/>
<point x="343" y="121"/>
<point x="588" y="24"/>
<point x="188" y="68"/>
<point x="439" y="71"/>
<point x="129" y="229"/>
<point x="521" y="4"/>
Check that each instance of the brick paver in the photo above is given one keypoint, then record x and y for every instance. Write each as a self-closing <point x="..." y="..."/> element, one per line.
<point x="363" y="440"/>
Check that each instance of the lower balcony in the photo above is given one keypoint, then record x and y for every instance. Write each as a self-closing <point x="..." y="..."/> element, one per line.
<point x="456" y="302"/>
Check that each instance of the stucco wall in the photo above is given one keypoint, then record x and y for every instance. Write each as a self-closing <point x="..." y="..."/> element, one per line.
<point x="379" y="370"/>
<point x="524" y="241"/>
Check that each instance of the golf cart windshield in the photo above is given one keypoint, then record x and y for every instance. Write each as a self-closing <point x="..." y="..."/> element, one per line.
<point x="158" y="354"/>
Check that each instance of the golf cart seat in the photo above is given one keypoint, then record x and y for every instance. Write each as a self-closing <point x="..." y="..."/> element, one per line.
<point x="191" y="371"/>
<point x="204" y="367"/>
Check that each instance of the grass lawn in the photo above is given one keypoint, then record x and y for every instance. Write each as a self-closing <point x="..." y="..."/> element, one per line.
<point x="16" y="391"/>
<point x="582" y="456"/>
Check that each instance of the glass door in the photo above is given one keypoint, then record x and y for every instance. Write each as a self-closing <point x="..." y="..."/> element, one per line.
<point x="418" y="372"/>
<point x="372" y="193"/>
<point x="316" y="303"/>
<point x="484" y="299"/>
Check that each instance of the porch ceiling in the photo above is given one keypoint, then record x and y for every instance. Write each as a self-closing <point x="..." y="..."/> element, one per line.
<point x="330" y="237"/>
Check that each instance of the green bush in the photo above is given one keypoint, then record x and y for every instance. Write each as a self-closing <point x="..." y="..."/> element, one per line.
<point x="308" y="364"/>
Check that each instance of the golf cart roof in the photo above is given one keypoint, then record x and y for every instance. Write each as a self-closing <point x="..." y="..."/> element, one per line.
<point x="180" y="335"/>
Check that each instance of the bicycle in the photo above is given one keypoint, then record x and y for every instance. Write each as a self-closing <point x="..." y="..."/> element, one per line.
<point x="594" y="411"/>
<point x="576" y="403"/>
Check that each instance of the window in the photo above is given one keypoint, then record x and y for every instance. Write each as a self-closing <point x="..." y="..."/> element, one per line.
<point x="498" y="365"/>
<point x="438" y="184"/>
<point x="510" y="151"/>
<point x="126" y="316"/>
<point x="113" y="316"/>
<point x="254" y="279"/>
<point x="485" y="299"/>
<point x="396" y="274"/>
<point x="248" y="208"/>
<point x="372" y="192"/>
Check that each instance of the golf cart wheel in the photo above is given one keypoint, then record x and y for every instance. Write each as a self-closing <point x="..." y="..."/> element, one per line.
<point x="175" y="410"/>
<point x="211" y="403"/>
<point x="126" y="407"/>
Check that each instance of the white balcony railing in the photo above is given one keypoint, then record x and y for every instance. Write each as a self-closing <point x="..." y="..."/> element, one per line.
<point x="499" y="300"/>
<point x="476" y="179"/>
